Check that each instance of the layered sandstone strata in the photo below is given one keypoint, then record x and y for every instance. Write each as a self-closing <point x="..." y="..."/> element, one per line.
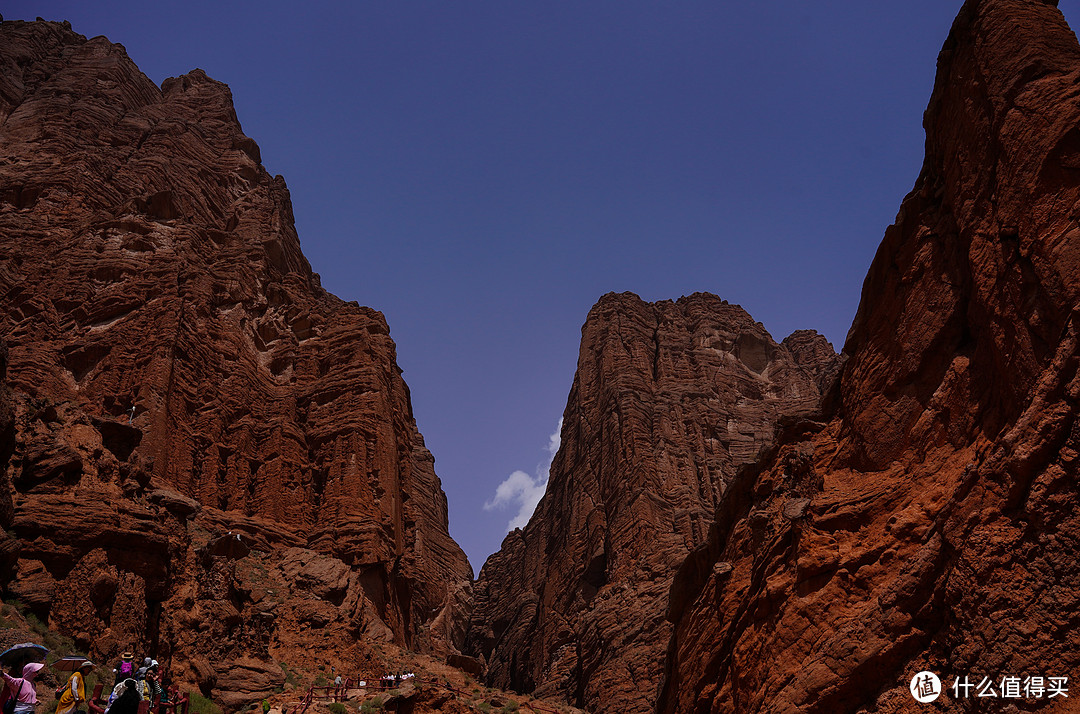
<point x="933" y="522"/>
<point x="215" y="459"/>
<point x="669" y="399"/>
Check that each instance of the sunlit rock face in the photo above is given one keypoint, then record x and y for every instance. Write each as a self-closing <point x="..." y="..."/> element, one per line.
<point x="669" y="400"/>
<point x="214" y="458"/>
<point x="933" y="522"/>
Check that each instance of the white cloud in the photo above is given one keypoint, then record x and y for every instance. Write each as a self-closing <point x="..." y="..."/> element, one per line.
<point x="517" y="486"/>
<point x="524" y="491"/>
<point x="554" y="441"/>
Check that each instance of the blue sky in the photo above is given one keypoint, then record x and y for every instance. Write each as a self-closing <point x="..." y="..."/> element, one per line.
<point x="482" y="172"/>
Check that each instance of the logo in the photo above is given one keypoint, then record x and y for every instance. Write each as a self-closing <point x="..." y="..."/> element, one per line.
<point x="925" y="687"/>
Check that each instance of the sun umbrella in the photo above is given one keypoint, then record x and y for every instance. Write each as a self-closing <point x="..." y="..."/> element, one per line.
<point x="69" y="664"/>
<point x="25" y="650"/>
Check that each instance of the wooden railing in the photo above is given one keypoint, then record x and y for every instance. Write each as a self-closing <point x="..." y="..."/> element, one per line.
<point x="339" y="693"/>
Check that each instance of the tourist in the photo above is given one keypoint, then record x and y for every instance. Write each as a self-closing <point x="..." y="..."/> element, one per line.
<point x="126" y="668"/>
<point x="153" y="683"/>
<point x="22" y="688"/>
<point x="141" y="684"/>
<point x="127" y="700"/>
<point x="14" y="672"/>
<point x="119" y="689"/>
<point x="74" y="692"/>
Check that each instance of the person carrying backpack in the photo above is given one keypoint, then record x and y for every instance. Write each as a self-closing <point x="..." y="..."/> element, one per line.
<point x="126" y="668"/>
<point x="23" y="695"/>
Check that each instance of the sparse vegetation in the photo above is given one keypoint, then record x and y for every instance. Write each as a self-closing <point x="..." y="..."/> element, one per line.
<point x="375" y="705"/>
<point x="35" y="624"/>
<point x="290" y="675"/>
<point x="484" y="707"/>
<point x="198" y="704"/>
<point x="320" y="680"/>
<point x="59" y="645"/>
<point x="510" y="708"/>
<point x="336" y="708"/>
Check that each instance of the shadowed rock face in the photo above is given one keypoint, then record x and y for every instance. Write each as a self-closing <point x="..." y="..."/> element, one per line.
<point x="669" y="399"/>
<point x="933" y="522"/>
<point x="181" y="377"/>
<point x="9" y="547"/>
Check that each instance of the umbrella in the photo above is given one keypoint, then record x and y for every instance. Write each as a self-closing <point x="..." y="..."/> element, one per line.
<point x="25" y="650"/>
<point x="69" y="664"/>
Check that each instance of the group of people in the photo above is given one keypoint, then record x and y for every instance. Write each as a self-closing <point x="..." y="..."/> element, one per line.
<point x="147" y="677"/>
<point x="387" y="681"/>
<point x="392" y="681"/>
<point x="133" y="685"/>
<point x="20" y="691"/>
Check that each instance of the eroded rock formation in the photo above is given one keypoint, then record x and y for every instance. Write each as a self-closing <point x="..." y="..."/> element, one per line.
<point x="669" y="399"/>
<point x="933" y="522"/>
<point x="9" y="547"/>
<point x="215" y="460"/>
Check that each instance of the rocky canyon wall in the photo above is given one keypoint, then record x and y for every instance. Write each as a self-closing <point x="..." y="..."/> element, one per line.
<point x="669" y="400"/>
<point x="205" y="455"/>
<point x="932" y="523"/>
<point x="214" y="459"/>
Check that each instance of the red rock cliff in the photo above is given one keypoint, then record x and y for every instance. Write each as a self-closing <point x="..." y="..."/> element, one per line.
<point x="669" y="399"/>
<point x="933" y="522"/>
<point x="9" y="547"/>
<point x="215" y="459"/>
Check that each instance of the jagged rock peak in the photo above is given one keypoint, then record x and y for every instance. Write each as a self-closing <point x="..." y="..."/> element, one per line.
<point x="669" y="400"/>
